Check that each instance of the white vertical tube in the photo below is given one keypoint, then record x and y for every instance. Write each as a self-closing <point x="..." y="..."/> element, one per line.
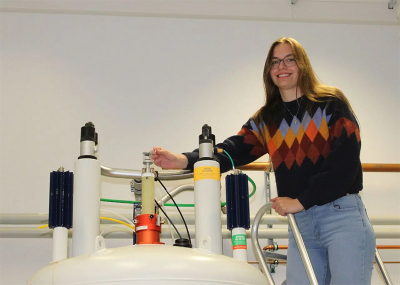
<point x="148" y="193"/>
<point x="239" y="244"/>
<point x="207" y="199"/>
<point x="86" y="212"/>
<point x="60" y="244"/>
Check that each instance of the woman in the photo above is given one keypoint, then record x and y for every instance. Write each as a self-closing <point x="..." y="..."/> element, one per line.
<point x="312" y="136"/>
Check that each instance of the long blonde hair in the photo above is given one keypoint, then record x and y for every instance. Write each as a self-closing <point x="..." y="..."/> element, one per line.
<point x="307" y="82"/>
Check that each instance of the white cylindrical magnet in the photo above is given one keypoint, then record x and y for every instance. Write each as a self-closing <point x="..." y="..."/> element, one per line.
<point x="207" y="199"/>
<point x="86" y="211"/>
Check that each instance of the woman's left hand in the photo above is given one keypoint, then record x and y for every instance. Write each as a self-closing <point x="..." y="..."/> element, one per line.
<point x="286" y="205"/>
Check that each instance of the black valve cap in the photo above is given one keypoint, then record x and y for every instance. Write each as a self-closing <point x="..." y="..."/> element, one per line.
<point x="206" y="131"/>
<point x="88" y="133"/>
<point x="206" y="134"/>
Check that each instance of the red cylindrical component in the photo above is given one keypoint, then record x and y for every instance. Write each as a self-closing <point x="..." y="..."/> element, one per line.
<point x="148" y="229"/>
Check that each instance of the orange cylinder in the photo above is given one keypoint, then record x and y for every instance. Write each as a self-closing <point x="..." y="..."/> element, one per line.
<point x="148" y="229"/>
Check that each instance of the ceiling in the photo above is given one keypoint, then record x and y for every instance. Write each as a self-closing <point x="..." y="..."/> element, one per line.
<point x="385" y="12"/>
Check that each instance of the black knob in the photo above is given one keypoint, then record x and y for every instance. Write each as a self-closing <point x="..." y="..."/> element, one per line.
<point x="88" y="133"/>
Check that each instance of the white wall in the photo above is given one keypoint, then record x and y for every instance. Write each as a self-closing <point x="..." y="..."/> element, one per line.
<point x="156" y="81"/>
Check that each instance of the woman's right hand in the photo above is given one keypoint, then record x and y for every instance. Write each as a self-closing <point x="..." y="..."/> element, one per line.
<point x="168" y="160"/>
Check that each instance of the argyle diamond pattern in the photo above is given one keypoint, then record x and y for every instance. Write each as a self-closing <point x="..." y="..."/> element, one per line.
<point x="312" y="138"/>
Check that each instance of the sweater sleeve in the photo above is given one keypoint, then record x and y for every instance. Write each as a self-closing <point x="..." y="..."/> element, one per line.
<point x="341" y="171"/>
<point x="245" y="147"/>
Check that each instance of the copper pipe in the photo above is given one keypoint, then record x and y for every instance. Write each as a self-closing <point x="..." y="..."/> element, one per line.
<point x="263" y="166"/>
<point x="367" y="167"/>
<point x="388" y="246"/>
<point x="381" y="167"/>
<point x="271" y="247"/>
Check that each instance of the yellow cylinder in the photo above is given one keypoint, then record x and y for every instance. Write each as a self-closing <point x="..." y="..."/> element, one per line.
<point x="148" y="193"/>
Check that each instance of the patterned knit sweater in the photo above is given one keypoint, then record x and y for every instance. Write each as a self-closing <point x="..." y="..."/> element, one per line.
<point x="316" y="155"/>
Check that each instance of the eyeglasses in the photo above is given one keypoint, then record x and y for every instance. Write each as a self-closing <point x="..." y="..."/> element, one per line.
<point x="288" y="61"/>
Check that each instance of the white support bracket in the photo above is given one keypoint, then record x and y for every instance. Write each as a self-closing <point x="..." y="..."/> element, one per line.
<point x="295" y="1"/>
<point x="391" y="4"/>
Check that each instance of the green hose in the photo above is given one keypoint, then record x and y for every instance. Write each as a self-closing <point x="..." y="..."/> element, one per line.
<point x="119" y="201"/>
<point x="173" y="205"/>
<point x="254" y="186"/>
<point x="136" y="202"/>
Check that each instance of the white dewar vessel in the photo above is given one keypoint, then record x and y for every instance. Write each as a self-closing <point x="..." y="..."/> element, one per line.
<point x="148" y="261"/>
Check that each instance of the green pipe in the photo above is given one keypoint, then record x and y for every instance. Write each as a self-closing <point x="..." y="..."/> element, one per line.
<point x="254" y="186"/>
<point x="136" y="202"/>
<point x="119" y="201"/>
<point x="170" y="204"/>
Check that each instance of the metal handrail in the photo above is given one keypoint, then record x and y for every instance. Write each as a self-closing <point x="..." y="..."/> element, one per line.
<point x="302" y="250"/>
<point x="137" y="174"/>
<point x="256" y="244"/>
<point x="382" y="268"/>
<point x="299" y="241"/>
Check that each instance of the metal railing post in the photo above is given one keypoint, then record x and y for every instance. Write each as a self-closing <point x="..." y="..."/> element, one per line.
<point x="302" y="250"/>
<point x="382" y="268"/>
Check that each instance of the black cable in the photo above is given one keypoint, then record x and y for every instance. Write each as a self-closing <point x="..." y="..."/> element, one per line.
<point x="183" y="219"/>
<point x="165" y="214"/>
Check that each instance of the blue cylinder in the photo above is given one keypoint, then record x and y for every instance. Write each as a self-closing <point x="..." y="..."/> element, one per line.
<point x="237" y="201"/>
<point x="61" y="199"/>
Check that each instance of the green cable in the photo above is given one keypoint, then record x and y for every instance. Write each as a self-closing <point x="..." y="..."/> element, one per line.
<point x="233" y="165"/>
<point x="250" y="180"/>
<point x="136" y="202"/>
<point x="254" y="186"/>
<point x="119" y="201"/>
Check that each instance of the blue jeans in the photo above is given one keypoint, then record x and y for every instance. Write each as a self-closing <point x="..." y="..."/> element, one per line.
<point x="339" y="240"/>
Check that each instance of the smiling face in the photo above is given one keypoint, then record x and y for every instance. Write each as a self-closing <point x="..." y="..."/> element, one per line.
<point x="284" y="77"/>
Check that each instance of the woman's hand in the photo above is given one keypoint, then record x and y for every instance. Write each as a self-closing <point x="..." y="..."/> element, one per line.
<point x="167" y="159"/>
<point x="286" y="205"/>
